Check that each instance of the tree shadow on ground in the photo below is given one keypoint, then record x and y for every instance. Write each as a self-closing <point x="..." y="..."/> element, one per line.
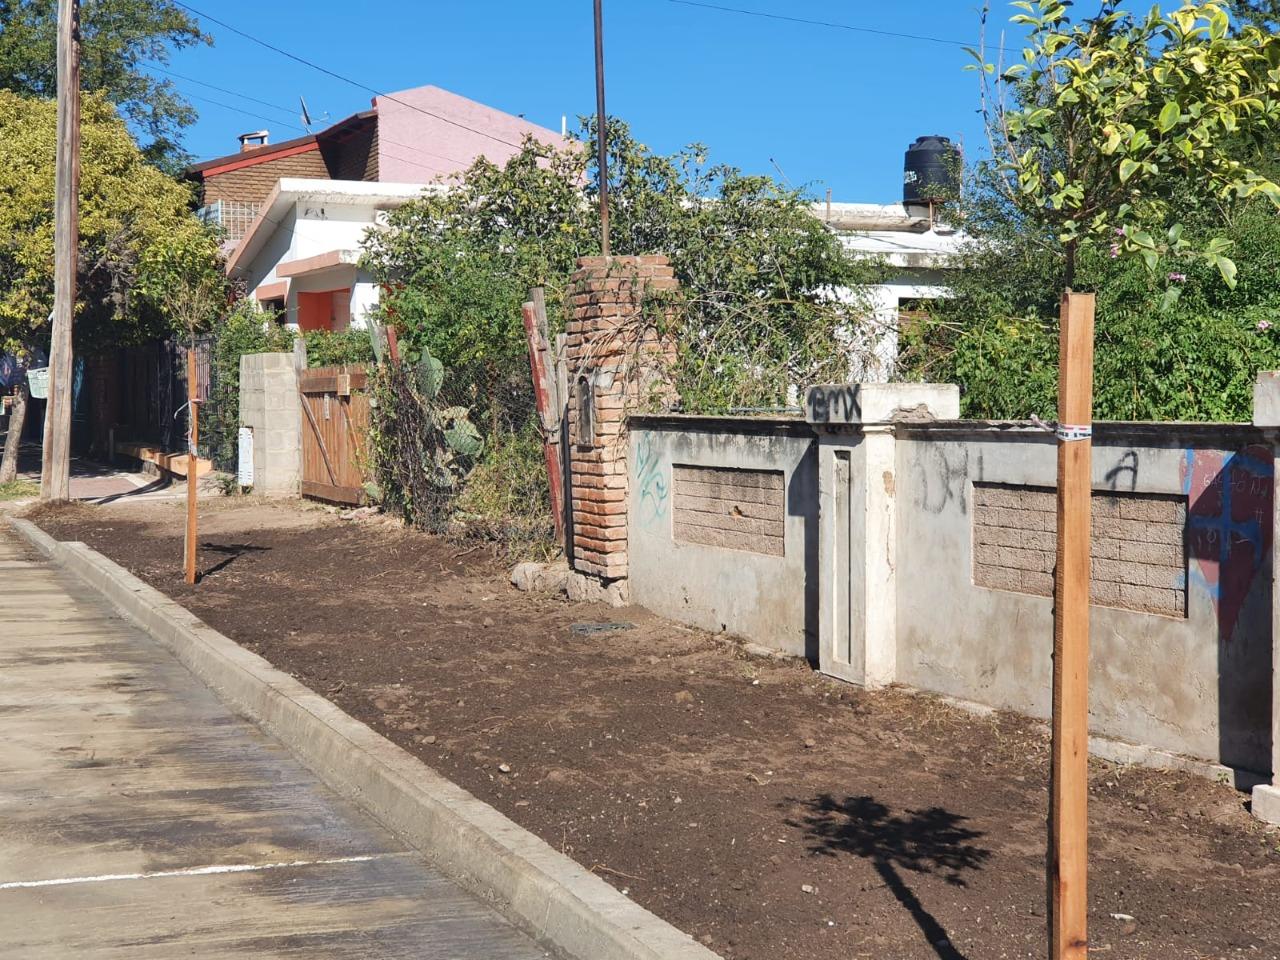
<point x="231" y="551"/>
<point x="918" y="841"/>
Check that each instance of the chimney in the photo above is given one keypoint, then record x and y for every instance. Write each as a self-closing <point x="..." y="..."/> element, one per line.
<point x="253" y="140"/>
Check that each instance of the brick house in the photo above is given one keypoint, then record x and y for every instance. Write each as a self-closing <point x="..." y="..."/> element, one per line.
<point x="295" y="212"/>
<point x="414" y="136"/>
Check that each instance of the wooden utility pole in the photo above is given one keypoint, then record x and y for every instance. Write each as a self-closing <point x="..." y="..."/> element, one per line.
<point x="1069" y="774"/>
<point x="602" y="133"/>
<point x="193" y="465"/>
<point x="55" y="473"/>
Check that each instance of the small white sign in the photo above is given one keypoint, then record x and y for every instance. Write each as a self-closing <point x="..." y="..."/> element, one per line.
<point x="38" y="383"/>
<point x="244" y="475"/>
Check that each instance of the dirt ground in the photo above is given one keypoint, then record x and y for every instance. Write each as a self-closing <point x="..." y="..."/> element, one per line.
<point x="769" y="811"/>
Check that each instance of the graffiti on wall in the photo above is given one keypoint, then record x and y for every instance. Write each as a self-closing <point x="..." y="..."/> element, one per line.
<point x="945" y="477"/>
<point x="1229" y="527"/>
<point x="652" y="491"/>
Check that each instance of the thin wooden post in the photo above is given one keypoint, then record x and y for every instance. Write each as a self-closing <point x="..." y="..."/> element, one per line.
<point x="1069" y="783"/>
<point x="193" y="465"/>
<point x="55" y="472"/>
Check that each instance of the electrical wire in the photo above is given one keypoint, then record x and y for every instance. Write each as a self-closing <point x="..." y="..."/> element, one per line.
<point x="337" y="76"/>
<point x="822" y="23"/>
<point x="247" y="113"/>
<point x="234" y="93"/>
<point x="275" y="106"/>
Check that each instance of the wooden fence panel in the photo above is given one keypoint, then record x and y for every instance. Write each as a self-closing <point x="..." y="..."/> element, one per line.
<point x="335" y="427"/>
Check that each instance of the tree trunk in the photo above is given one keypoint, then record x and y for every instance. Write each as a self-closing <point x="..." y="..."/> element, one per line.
<point x="17" y="419"/>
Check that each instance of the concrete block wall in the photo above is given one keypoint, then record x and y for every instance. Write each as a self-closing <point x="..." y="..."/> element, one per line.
<point x="1138" y="554"/>
<point x="723" y="526"/>
<point x="731" y="507"/>
<point x="617" y="365"/>
<point x="270" y="406"/>
<point x="1180" y="632"/>
<point x="920" y="551"/>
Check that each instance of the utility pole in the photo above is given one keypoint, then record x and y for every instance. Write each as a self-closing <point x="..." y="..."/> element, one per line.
<point x="55" y="473"/>
<point x="1069" y="773"/>
<point x="602" y="133"/>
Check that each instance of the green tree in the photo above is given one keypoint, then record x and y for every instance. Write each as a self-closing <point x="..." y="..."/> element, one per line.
<point x="129" y="211"/>
<point x="1259" y="13"/>
<point x="1112" y="124"/>
<point x="1174" y="342"/>
<point x="759" y="313"/>
<point x="119" y="39"/>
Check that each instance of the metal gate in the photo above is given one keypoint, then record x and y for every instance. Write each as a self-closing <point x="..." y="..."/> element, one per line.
<point x="335" y="415"/>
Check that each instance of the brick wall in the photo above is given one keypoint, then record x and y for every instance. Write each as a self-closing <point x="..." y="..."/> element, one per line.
<point x="252" y="184"/>
<point x="355" y="155"/>
<point x="617" y="365"/>
<point x="1138" y="546"/>
<point x="724" y="507"/>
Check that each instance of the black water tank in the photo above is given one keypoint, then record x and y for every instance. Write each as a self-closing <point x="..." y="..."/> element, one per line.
<point x="931" y="171"/>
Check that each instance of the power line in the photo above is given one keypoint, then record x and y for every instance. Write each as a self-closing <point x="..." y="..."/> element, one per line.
<point x="247" y="113"/>
<point x="275" y="106"/>
<point x="233" y="93"/>
<point x="823" y="23"/>
<point x="337" y="76"/>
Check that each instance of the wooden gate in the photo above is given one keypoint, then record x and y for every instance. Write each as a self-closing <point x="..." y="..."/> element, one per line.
<point x="335" y="415"/>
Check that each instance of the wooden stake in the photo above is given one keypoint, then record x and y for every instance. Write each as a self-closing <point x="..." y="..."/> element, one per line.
<point x="1069" y="784"/>
<point x="55" y="473"/>
<point x="193" y="466"/>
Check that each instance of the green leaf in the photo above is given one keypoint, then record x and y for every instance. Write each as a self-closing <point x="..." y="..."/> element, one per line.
<point x="1169" y="116"/>
<point x="1128" y="168"/>
<point x="1218" y="24"/>
<point x="1227" y="267"/>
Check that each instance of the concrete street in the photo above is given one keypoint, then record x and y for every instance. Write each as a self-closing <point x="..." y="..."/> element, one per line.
<point x="139" y="818"/>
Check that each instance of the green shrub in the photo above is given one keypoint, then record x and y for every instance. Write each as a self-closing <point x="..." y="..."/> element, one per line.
<point x="507" y="497"/>
<point x="331" y="349"/>
<point x="245" y="329"/>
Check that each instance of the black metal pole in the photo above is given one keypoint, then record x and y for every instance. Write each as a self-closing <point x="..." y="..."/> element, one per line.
<point x="602" y="134"/>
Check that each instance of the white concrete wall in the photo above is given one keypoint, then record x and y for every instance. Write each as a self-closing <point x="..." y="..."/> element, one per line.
<point x="770" y="600"/>
<point x="892" y="588"/>
<point x="1169" y="682"/>
<point x="311" y="229"/>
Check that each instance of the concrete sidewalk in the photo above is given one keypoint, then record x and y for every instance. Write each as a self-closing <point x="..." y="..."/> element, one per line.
<point x="139" y="818"/>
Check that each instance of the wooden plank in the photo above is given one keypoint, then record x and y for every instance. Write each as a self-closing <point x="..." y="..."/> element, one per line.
<point x="319" y="437"/>
<point x="174" y="463"/>
<point x="1069" y="769"/>
<point x="333" y="492"/>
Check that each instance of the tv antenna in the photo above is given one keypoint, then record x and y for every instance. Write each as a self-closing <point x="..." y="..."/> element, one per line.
<point x="307" y="122"/>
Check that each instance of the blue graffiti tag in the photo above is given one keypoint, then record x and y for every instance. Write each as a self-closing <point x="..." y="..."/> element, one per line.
<point x="651" y="483"/>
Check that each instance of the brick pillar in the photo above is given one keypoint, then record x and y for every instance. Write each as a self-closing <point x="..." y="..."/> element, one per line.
<point x="618" y="364"/>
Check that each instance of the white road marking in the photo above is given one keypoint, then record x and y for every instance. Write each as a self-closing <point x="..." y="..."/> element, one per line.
<point x="189" y="872"/>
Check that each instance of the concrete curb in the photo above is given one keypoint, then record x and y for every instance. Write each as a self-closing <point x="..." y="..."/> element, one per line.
<point x="564" y="907"/>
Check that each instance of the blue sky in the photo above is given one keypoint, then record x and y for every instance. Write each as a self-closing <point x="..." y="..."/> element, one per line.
<point x="833" y="108"/>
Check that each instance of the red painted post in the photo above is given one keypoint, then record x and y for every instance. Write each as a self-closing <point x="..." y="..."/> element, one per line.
<point x="548" y="416"/>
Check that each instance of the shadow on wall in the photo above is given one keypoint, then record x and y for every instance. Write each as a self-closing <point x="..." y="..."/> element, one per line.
<point x="1230" y="499"/>
<point x="917" y="841"/>
<point x="803" y="502"/>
